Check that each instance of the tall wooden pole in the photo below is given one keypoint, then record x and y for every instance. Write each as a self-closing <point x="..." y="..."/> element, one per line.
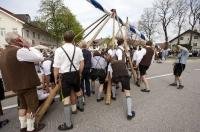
<point x="98" y="31"/>
<point x="109" y="87"/>
<point x="126" y="46"/>
<point x="44" y="107"/>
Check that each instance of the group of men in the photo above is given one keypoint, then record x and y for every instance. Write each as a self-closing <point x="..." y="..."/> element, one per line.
<point x="73" y="69"/>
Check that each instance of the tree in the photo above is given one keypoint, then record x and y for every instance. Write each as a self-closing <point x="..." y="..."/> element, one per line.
<point x="58" y="19"/>
<point x="165" y="14"/>
<point x="181" y="12"/>
<point x="147" y="22"/>
<point x="194" y="15"/>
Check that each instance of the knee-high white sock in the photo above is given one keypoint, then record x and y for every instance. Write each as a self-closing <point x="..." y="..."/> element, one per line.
<point x="68" y="115"/>
<point x="30" y="124"/>
<point x="129" y="105"/>
<point x="23" y="121"/>
<point x="74" y="108"/>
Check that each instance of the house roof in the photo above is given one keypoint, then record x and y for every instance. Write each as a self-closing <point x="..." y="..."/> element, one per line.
<point x="11" y="14"/>
<point x="188" y="31"/>
<point x="24" y="18"/>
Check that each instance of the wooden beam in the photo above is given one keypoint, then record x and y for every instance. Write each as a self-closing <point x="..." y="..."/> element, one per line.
<point x="98" y="31"/>
<point x="1" y="110"/>
<point x="126" y="47"/>
<point x="44" y="107"/>
<point x="109" y="87"/>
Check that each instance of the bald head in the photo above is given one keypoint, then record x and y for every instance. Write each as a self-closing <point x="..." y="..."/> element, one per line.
<point x="11" y="37"/>
<point x="83" y="44"/>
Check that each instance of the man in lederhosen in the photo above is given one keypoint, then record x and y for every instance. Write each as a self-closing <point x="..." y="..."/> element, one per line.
<point x="98" y="72"/>
<point x="145" y="63"/>
<point x="179" y="65"/>
<point x="19" y="75"/>
<point x="120" y="74"/>
<point x="69" y="62"/>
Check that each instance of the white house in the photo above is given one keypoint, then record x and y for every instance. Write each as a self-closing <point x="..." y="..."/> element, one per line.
<point x="185" y="37"/>
<point x="20" y="23"/>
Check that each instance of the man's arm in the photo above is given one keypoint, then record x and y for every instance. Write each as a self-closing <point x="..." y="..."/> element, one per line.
<point x="81" y="67"/>
<point x="29" y="55"/>
<point x="56" y="74"/>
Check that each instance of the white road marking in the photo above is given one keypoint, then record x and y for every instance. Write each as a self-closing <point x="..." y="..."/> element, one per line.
<point x="9" y="107"/>
<point x="153" y="77"/>
<point x="15" y="105"/>
<point x="197" y="69"/>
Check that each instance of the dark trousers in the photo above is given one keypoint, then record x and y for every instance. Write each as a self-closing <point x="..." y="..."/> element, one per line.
<point x="85" y="81"/>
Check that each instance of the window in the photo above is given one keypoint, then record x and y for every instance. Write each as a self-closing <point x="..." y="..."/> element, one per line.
<point x="33" y="34"/>
<point x="181" y="38"/>
<point x="33" y="42"/>
<point x="2" y="31"/>
<point x="15" y="30"/>
<point x="196" y="37"/>
<point x="27" y="33"/>
<point x="38" y="36"/>
<point x="194" y="44"/>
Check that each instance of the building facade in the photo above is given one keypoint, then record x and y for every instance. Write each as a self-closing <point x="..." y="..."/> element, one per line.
<point x="185" y="37"/>
<point x="20" y="23"/>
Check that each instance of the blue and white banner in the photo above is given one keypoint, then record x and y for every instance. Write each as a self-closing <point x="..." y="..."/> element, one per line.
<point x="132" y="28"/>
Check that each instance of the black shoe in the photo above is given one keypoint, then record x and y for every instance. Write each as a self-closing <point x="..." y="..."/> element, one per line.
<point x="113" y="98"/>
<point x="173" y="84"/>
<point x="23" y="129"/>
<point x="74" y="112"/>
<point x="38" y="127"/>
<point x="180" y="87"/>
<point x="93" y="92"/>
<point x="122" y="90"/>
<point x="145" y="90"/>
<point x="4" y="122"/>
<point x="132" y="116"/>
<point x="101" y="99"/>
<point x="80" y="109"/>
<point x="137" y="84"/>
<point x="64" y="127"/>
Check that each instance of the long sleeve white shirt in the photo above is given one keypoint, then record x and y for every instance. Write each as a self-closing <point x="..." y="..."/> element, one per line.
<point x="138" y="55"/>
<point x="29" y="55"/>
<point x="119" y="53"/>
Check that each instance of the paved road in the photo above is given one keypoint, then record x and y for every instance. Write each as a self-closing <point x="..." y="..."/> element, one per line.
<point x="164" y="109"/>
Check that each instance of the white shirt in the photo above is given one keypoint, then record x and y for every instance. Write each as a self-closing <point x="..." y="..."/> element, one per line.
<point x="111" y="52"/>
<point x="98" y="62"/>
<point x="119" y="52"/>
<point x="138" y="55"/>
<point x="29" y="55"/>
<point x="62" y="62"/>
<point x="46" y="67"/>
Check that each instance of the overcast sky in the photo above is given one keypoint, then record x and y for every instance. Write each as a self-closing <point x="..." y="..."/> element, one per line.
<point x="84" y="11"/>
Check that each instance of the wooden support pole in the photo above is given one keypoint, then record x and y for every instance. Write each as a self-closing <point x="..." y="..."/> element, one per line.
<point x="95" y="27"/>
<point x="109" y="87"/>
<point x="90" y="26"/>
<point x="44" y="107"/>
<point x="108" y="92"/>
<point x="126" y="47"/>
<point x="96" y="34"/>
<point x="1" y="110"/>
